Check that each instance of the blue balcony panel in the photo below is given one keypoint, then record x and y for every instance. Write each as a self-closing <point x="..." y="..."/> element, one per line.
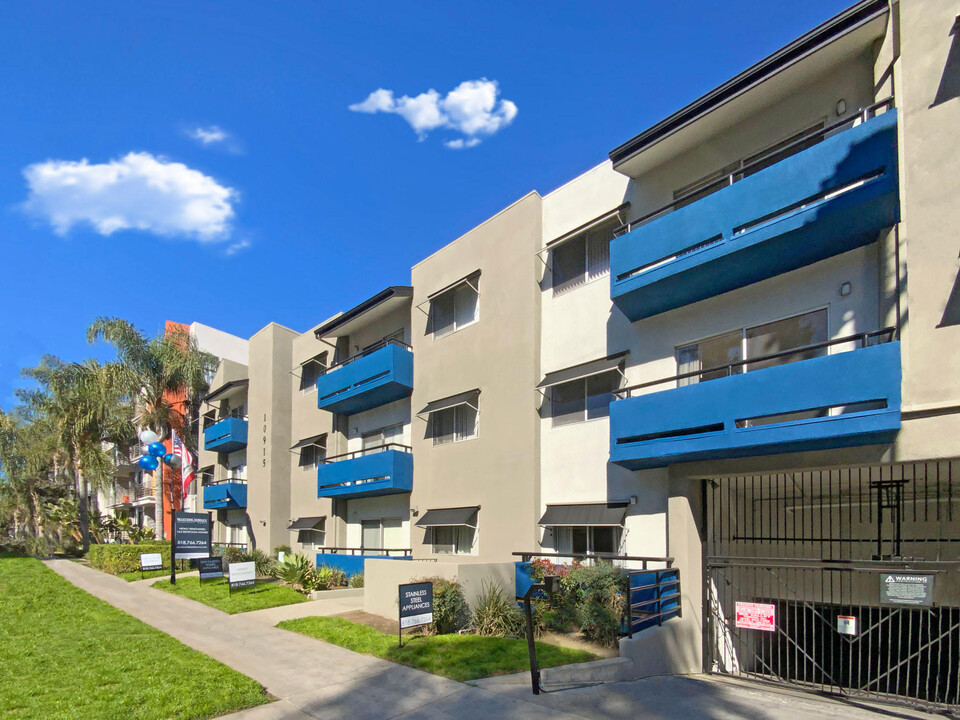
<point x="226" y="436"/>
<point x="376" y="379"/>
<point x="388" y="472"/>
<point x="225" y="496"/>
<point x="353" y="564"/>
<point x="780" y="219"/>
<point x="700" y="421"/>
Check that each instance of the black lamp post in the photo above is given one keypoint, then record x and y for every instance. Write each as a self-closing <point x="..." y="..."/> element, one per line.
<point x="550" y="586"/>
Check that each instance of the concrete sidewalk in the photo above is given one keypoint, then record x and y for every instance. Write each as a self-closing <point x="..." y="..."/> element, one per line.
<point x="314" y="679"/>
<point x="338" y="602"/>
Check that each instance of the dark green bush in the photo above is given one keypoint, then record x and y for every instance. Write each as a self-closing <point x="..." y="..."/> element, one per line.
<point x="450" y="609"/>
<point x="229" y="554"/>
<point x="118" y="559"/>
<point x="495" y="614"/>
<point x="597" y="595"/>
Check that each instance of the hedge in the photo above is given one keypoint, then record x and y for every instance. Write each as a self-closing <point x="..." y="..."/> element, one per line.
<point x="118" y="559"/>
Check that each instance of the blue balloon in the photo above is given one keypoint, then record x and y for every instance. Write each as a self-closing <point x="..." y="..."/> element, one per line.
<point x="168" y="459"/>
<point x="148" y="462"/>
<point x="157" y="449"/>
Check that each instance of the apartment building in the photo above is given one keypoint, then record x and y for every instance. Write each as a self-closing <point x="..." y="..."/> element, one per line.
<point x="728" y="348"/>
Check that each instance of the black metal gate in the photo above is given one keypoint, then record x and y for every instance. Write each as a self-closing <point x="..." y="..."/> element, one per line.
<point x="818" y="579"/>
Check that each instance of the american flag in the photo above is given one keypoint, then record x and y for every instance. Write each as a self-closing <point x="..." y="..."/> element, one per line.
<point x="187" y="473"/>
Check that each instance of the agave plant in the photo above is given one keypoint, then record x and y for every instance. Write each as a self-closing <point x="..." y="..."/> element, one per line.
<point x="296" y="570"/>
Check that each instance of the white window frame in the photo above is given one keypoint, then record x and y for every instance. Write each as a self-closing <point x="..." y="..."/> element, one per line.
<point x="743" y="337"/>
<point x="319" y="453"/>
<point x="589" y="274"/>
<point x="586" y="399"/>
<point x="381" y="521"/>
<point x="462" y="438"/>
<point x="472" y="281"/>
<point x="564" y="539"/>
<point x="311" y="545"/>
<point x="460" y="546"/>
<point x="319" y="360"/>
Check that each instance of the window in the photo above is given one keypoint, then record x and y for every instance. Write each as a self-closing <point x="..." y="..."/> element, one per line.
<point x="381" y="534"/>
<point x="582" y="258"/>
<point x="311" y="539"/>
<point x="767" y="339"/>
<point x="455" y="540"/>
<point x="209" y="419"/>
<point x="455" y="308"/>
<point x="588" y="540"/>
<point x="237" y="412"/>
<point x="311" y="455"/>
<point x="375" y="440"/>
<point x="310" y="372"/>
<point x="583" y="399"/>
<point x="454" y="424"/>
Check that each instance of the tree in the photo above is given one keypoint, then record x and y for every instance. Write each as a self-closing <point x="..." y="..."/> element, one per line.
<point x="156" y="372"/>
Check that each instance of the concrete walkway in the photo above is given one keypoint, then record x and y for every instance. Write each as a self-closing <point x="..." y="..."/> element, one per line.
<point x="338" y="602"/>
<point x="313" y="679"/>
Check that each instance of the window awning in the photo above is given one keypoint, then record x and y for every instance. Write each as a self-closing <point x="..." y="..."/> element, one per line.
<point x="307" y="523"/>
<point x="225" y="388"/>
<point x="450" y="517"/>
<point x="592" y="514"/>
<point x="578" y="372"/>
<point x="589" y="225"/>
<point x="463" y="398"/>
<point x="464" y="279"/>
<point x="309" y="441"/>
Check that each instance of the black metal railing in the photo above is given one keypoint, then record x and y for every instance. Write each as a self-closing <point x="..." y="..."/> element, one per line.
<point x="242" y="546"/>
<point x="877" y="337"/>
<point x="242" y="481"/>
<point x="660" y="607"/>
<point x="757" y="162"/>
<point x="363" y="353"/>
<point x="606" y="557"/>
<point x="389" y="552"/>
<point x="365" y="451"/>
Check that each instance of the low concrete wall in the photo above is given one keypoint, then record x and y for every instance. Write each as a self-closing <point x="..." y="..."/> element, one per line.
<point x="381" y="578"/>
<point x="670" y="649"/>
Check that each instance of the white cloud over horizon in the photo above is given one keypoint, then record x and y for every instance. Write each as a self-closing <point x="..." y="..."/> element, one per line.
<point x="139" y="191"/>
<point x="208" y="135"/>
<point x="473" y="109"/>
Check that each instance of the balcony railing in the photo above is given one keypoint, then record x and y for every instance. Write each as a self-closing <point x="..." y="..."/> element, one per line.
<point x="366" y="552"/>
<point x="379" y="375"/>
<point x="382" y="470"/>
<point x="227" y="435"/>
<point x="225" y="494"/>
<point x="797" y="400"/>
<point x="757" y="162"/>
<point x="804" y="352"/>
<point x="363" y="353"/>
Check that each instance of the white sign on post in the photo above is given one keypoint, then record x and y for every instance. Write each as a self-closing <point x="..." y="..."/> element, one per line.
<point x="242" y="574"/>
<point x="151" y="561"/>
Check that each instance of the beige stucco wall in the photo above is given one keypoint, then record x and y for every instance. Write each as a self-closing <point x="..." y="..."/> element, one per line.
<point x="499" y="354"/>
<point x="268" y="440"/>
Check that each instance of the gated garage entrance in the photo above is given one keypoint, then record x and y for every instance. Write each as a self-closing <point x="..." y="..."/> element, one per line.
<point x="841" y="580"/>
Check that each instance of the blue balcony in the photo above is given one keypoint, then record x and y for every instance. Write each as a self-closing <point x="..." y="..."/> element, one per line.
<point x="368" y="380"/>
<point x="841" y="400"/>
<point x="228" y="495"/>
<point x="828" y="199"/>
<point x="384" y="472"/>
<point x="226" y="436"/>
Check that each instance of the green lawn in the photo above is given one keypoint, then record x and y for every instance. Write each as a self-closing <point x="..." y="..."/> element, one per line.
<point x="215" y="593"/>
<point x="131" y="576"/>
<point x="66" y="655"/>
<point x="459" y="657"/>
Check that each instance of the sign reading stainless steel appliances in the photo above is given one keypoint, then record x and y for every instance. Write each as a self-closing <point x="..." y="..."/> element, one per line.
<point x="416" y="604"/>
<point x="242" y="574"/>
<point x="191" y="537"/>
<point x="906" y="589"/>
<point x="150" y="561"/>
<point x="211" y="567"/>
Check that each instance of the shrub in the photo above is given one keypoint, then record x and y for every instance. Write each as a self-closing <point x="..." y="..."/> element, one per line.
<point x="118" y="559"/>
<point x="495" y="614"/>
<point x="285" y="549"/>
<point x="264" y="563"/>
<point x="356" y="581"/>
<point x="297" y="570"/>
<point x="338" y="577"/>
<point x="597" y="594"/>
<point x="450" y="609"/>
<point x="229" y="554"/>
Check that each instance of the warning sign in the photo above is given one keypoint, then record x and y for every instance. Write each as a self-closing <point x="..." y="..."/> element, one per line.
<point x="906" y="589"/>
<point x="757" y="616"/>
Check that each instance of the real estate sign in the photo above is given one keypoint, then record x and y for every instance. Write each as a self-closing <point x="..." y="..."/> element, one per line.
<point x="191" y="535"/>
<point x="151" y="561"/>
<point x="243" y="574"/>
<point x="416" y="604"/>
<point x="211" y="567"/>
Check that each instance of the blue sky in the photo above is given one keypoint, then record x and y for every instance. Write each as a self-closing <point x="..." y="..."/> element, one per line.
<point x="227" y="180"/>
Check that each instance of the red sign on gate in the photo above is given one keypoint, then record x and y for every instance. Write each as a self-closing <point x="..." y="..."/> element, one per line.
<point x="756" y="616"/>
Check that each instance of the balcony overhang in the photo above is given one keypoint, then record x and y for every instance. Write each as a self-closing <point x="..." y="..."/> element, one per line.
<point x="824" y="49"/>
<point x="370" y="310"/>
<point x="371" y="380"/>
<point x="387" y="472"/>
<point x="225" y="496"/>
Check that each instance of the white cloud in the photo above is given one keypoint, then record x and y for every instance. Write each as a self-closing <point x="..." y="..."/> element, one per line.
<point x="208" y="135"/>
<point x="138" y="191"/>
<point x="236" y="247"/>
<point x="473" y="109"/>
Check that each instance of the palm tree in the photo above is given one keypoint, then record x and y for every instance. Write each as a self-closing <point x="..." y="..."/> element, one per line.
<point x="85" y="402"/>
<point x="155" y="372"/>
